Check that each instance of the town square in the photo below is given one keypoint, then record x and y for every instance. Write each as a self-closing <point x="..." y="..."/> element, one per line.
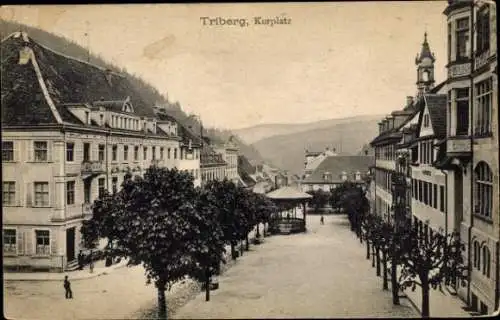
<point x="280" y="160"/>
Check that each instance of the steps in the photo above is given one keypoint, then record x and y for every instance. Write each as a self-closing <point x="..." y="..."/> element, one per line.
<point x="71" y="266"/>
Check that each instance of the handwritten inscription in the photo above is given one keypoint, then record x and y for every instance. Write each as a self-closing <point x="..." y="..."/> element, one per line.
<point x="245" y="22"/>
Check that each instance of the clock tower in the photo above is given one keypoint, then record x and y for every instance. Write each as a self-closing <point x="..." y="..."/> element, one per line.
<point x="425" y="68"/>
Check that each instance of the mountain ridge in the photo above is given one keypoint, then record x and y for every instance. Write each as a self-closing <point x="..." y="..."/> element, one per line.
<point x="253" y="134"/>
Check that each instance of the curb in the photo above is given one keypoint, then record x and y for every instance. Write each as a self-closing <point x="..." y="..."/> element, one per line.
<point x="414" y="305"/>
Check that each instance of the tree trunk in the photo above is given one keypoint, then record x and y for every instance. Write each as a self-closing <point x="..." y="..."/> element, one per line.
<point x="367" y="250"/>
<point x="241" y="248"/>
<point x="384" y="261"/>
<point x="162" y="302"/>
<point x="377" y="256"/>
<point x="233" y="250"/>
<point x="257" y="232"/>
<point x="373" y="255"/>
<point x="247" y="244"/>
<point x="394" y="280"/>
<point x="207" y="284"/>
<point x="425" y="297"/>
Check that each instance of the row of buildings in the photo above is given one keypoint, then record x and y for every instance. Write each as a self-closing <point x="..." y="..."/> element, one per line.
<point x="445" y="141"/>
<point x="71" y="130"/>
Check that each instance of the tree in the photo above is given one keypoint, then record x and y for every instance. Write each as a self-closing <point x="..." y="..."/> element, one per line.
<point x="224" y="193"/>
<point x="209" y="238"/>
<point x="429" y="260"/>
<point x="319" y="199"/>
<point x="152" y="225"/>
<point x="351" y="198"/>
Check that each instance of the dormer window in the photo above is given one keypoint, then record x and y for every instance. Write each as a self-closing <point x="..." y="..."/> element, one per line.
<point x="87" y="117"/>
<point x="426" y="120"/>
<point x="102" y="119"/>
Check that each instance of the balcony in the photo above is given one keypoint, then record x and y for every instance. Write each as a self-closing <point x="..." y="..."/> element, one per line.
<point x="92" y="168"/>
<point x="458" y="146"/>
<point x="459" y="70"/>
<point x="87" y="209"/>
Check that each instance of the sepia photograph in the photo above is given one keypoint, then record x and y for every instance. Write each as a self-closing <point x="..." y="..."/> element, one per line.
<point x="250" y="160"/>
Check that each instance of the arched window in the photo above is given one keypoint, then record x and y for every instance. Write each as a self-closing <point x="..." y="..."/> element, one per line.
<point x="483" y="195"/>
<point x="477" y="256"/>
<point x="486" y="261"/>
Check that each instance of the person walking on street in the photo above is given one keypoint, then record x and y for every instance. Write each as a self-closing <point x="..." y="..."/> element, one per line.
<point x="80" y="260"/>
<point x="322" y="220"/>
<point x="67" y="287"/>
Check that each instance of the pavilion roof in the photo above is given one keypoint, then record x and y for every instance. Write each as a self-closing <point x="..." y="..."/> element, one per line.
<point x="288" y="193"/>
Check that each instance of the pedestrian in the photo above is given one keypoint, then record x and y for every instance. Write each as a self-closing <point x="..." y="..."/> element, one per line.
<point x="91" y="265"/>
<point x="67" y="287"/>
<point x="322" y="220"/>
<point x="80" y="260"/>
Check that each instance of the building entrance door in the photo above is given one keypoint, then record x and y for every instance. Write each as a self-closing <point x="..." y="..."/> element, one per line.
<point x="70" y="244"/>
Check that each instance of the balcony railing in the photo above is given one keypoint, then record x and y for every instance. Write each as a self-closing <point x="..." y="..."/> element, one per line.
<point x="458" y="70"/>
<point x="157" y="163"/>
<point x="90" y="168"/>
<point x="458" y="145"/>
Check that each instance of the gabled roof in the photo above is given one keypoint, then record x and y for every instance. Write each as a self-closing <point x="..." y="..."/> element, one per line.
<point x="288" y="193"/>
<point x="335" y="166"/>
<point x="37" y="92"/>
<point x="436" y="104"/>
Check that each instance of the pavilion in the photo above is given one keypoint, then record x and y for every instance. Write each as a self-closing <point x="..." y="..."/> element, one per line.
<point x="289" y="198"/>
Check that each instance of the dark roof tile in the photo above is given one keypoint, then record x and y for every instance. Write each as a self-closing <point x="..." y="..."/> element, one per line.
<point x="335" y="165"/>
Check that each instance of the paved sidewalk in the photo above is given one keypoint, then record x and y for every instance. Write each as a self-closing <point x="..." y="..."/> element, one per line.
<point x="441" y="304"/>
<point x="99" y="269"/>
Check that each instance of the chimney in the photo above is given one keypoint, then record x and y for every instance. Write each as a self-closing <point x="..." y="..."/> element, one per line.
<point x="409" y="100"/>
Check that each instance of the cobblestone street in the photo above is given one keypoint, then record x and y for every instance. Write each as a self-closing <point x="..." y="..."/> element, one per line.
<point x="319" y="274"/>
<point x="322" y="273"/>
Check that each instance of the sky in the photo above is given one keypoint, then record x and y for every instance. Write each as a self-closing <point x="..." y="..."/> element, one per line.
<point x="330" y="60"/>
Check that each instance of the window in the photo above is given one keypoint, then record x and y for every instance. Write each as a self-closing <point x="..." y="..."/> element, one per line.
<point x="114" y="184"/>
<point x="153" y="151"/>
<point x="70" y="152"/>
<point x="462" y="103"/>
<point x="483" y="30"/>
<point x="145" y="153"/>
<point x="41" y="194"/>
<point x="136" y="153"/>
<point x="114" y="153"/>
<point x="41" y="151"/>
<point x="483" y="190"/>
<point x="87" y="117"/>
<point x="168" y="153"/>
<point x="9" y="241"/>
<point x="102" y="188"/>
<point x="435" y="196"/>
<point x="486" y="261"/>
<point x="484" y="96"/>
<point x="7" y="151"/>
<point x="70" y="192"/>
<point x="442" y="199"/>
<point x="477" y="256"/>
<point x="426" y="120"/>
<point x="86" y="152"/>
<point x="101" y="152"/>
<point x="420" y="191"/>
<point x="9" y="193"/>
<point x="42" y="242"/>
<point x="175" y="153"/>
<point x="449" y="42"/>
<point x="102" y="119"/>
<point x="426" y="193"/>
<point x="462" y="36"/>
<point x="125" y="153"/>
<point x="182" y="154"/>
<point x="161" y="153"/>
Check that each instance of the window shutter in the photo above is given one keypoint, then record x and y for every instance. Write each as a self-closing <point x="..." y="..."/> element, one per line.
<point x="30" y="156"/>
<point x="29" y="194"/>
<point x="50" y="151"/>
<point x="20" y="242"/>
<point x="18" y="194"/>
<point x="53" y="243"/>
<point x="28" y="240"/>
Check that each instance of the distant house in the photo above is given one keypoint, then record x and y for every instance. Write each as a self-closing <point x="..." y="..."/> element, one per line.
<point x="246" y="171"/>
<point x="334" y="170"/>
<point x="314" y="158"/>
